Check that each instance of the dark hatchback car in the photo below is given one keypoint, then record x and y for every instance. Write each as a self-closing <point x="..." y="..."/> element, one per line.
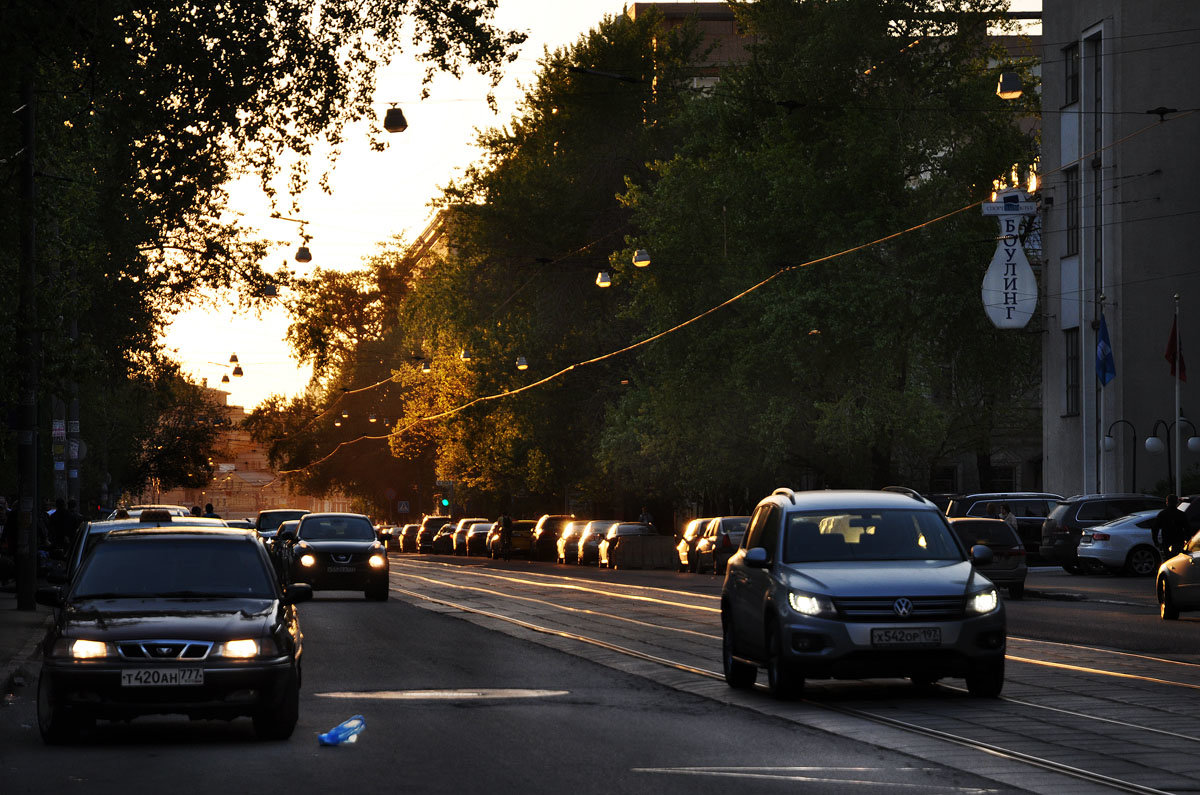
<point x="267" y="522"/>
<point x="337" y="552"/>
<point x="1073" y="515"/>
<point x="546" y="533"/>
<point x="1009" y="567"/>
<point x="185" y="620"/>
<point x="1029" y="507"/>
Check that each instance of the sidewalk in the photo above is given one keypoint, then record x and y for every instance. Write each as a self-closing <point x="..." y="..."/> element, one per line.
<point x="20" y="632"/>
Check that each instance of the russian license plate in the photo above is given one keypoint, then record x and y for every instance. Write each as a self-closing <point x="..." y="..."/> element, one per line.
<point x="161" y="677"/>
<point x="908" y="636"/>
<point x="341" y="569"/>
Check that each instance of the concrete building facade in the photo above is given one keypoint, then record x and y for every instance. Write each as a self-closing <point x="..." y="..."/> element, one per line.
<point x="1121" y="236"/>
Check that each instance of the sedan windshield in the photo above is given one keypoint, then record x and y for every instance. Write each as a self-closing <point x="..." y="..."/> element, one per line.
<point x="159" y="567"/>
<point x="339" y="528"/>
<point x="868" y="535"/>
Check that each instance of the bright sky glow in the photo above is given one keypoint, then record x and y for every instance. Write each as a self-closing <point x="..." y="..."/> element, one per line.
<point x="375" y="195"/>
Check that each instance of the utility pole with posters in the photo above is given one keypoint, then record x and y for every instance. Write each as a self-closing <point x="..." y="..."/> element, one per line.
<point x="28" y="349"/>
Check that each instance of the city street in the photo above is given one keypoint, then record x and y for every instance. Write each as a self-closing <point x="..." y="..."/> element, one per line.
<point x="1100" y="693"/>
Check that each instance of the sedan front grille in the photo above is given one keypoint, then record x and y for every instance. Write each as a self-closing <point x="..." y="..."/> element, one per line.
<point x="882" y="609"/>
<point x="164" y="649"/>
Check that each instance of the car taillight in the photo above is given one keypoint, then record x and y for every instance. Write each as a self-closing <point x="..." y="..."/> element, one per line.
<point x="1017" y="552"/>
<point x="726" y="543"/>
<point x="1100" y="536"/>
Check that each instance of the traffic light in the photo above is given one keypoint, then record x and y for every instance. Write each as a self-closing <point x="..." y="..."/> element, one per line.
<point x="444" y="502"/>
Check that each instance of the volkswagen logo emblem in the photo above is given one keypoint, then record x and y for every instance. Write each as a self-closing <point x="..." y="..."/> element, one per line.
<point x="903" y="606"/>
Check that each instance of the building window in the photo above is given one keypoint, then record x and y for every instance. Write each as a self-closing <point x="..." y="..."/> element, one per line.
<point x="1071" y="86"/>
<point x="1071" y="376"/>
<point x="1071" y="179"/>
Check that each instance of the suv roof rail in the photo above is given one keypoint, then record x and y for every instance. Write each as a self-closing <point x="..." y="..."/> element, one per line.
<point x="784" y="491"/>
<point x="906" y="491"/>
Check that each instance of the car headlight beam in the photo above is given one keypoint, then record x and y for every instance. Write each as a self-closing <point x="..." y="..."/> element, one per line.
<point x="247" y="647"/>
<point x="307" y="560"/>
<point x="984" y="601"/>
<point x="377" y="561"/>
<point x="810" y="605"/>
<point x="82" y="649"/>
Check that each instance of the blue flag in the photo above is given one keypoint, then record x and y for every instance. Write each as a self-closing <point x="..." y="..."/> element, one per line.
<point x="1106" y="366"/>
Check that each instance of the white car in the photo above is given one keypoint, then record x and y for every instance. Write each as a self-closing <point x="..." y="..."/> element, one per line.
<point x="1178" y="582"/>
<point x="1122" y="545"/>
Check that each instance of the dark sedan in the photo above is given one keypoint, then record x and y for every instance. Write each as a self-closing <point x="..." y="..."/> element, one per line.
<point x="339" y="552"/>
<point x="184" y="620"/>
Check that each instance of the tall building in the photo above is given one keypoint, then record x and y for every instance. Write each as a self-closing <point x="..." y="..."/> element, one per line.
<point x="1121" y="218"/>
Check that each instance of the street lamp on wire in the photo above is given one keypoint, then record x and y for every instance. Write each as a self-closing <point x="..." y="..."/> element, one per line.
<point x="1154" y="444"/>
<point x="1110" y="444"/>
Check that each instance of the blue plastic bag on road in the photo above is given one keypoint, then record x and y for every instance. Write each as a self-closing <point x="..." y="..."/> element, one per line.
<point x="345" y="732"/>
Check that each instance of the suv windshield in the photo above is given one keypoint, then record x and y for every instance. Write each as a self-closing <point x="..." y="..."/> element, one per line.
<point x="155" y="567"/>
<point x="868" y="535"/>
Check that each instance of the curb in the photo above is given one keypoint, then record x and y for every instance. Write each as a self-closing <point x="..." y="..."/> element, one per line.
<point x="15" y="668"/>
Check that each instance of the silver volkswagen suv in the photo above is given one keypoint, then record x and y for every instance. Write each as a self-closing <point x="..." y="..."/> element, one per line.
<point x="858" y="584"/>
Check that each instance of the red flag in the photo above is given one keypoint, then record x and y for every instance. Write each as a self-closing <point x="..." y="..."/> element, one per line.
<point x="1175" y="348"/>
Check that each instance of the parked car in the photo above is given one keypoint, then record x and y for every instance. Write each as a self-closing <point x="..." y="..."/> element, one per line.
<point x="720" y="539"/>
<point x="858" y="584"/>
<point x="522" y="539"/>
<point x="587" y="551"/>
<point x="1177" y="582"/>
<point x="408" y="537"/>
<point x="458" y="540"/>
<point x="1009" y="566"/>
<point x="1071" y="516"/>
<point x="1029" y="507"/>
<point x="336" y="551"/>
<point x="477" y="535"/>
<point x="545" y="535"/>
<point x="567" y="546"/>
<point x="443" y="540"/>
<point x="687" y="543"/>
<point x="430" y="525"/>
<point x="241" y="524"/>
<point x="1122" y="545"/>
<point x="617" y="531"/>
<point x="187" y="620"/>
<point x="267" y="522"/>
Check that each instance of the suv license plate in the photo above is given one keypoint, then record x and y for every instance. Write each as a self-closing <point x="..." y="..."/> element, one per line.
<point x="161" y="677"/>
<point x="911" y="636"/>
<point x="341" y="570"/>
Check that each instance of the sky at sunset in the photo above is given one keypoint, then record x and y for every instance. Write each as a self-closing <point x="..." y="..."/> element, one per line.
<point x="375" y="195"/>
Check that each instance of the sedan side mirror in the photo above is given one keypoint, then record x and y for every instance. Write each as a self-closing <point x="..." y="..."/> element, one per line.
<point x="981" y="555"/>
<point x="296" y="593"/>
<point x="757" y="558"/>
<point x="49" y="595"/>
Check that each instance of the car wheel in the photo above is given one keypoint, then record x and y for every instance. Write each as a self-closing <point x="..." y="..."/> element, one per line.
<point x="55" y="722"/>
<point x="783" y="678"/>
<point x="986" y="678"/>
<point x="377" y="593"/>
<point x="277" y="721"/>
<point x="738" y="675"/>
<point x="692" y="564"/>
<point x="1141" y="562"/>
<point x="1166" y="603"/>
<point x="1016" y="590"/>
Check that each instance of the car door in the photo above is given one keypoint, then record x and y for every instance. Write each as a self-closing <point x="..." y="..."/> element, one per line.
<point x="1187" y="567"/>
<point x="755" y="583"/>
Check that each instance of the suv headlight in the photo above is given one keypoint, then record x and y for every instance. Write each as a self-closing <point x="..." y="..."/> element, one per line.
<point x="377" y="561"/>
<point x="80" y="649"/>
<point x="307" y="560"/>
<point x="983" y="602"/>
<point x="810" y="605"/>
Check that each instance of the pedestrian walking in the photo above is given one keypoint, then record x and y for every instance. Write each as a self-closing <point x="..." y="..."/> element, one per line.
<point x="209" y="512"/>
<point x="1170" y="528"/>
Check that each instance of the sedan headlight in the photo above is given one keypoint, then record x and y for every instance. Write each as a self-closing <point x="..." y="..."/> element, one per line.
<point x="810" y="605"/>
<point x="80" y="649"/>
<point x="307" y="560"/>
<point x="247" y="647"/>
<point x="377" y="561"/>
<point x="983" y="602"/>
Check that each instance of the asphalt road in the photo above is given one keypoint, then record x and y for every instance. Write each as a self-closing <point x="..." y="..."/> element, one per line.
<point x="453" y="707"/>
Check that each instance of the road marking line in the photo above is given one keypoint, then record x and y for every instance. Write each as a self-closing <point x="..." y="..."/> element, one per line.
<point x="444" y="695"/>
<point x="749" y="772"/>
<point x="1086" y="670"/>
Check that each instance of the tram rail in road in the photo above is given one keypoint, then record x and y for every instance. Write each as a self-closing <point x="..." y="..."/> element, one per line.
<point x="1096" y="716"/>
